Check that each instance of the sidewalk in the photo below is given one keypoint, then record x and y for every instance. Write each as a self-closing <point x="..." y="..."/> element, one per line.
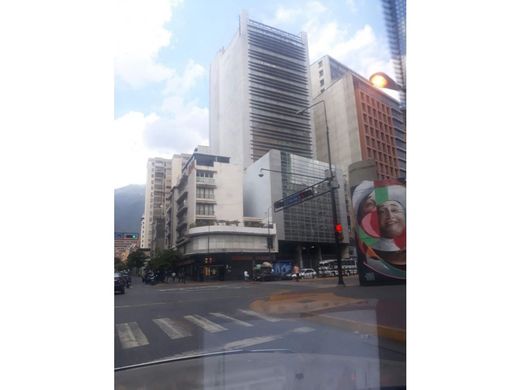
<point x="371" y="310"/>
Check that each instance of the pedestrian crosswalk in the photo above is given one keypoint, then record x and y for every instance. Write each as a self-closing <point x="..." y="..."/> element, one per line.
<point x="131" y="335"/>
<point x="173" y="329"/>
<point x="205" y="324"/>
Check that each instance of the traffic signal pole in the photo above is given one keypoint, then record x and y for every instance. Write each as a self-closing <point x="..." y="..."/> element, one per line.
<point x="332" y="193"/>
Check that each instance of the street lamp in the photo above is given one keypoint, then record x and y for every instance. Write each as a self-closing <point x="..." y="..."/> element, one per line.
<point x="269" y="234"/>
<point x="382" y="80"/>
<point x="332" y="192"/>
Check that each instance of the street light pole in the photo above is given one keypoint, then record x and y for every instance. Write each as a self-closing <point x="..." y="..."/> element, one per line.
<point x="332" y="192"/>
<point x="269" y="234"/>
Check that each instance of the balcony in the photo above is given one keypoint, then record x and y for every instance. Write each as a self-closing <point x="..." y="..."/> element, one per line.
<point x="206" y="200"/>
<point x="182" y="208"/>
<point x="206" y="181"/>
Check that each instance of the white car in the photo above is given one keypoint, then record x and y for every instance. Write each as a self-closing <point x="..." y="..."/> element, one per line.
<point x="307" y="273"/>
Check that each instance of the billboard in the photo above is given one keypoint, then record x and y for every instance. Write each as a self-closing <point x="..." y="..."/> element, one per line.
<point x="380" y="214"/>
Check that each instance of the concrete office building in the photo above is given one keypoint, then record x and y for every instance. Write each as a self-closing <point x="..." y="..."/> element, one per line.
<point x="257" y="84"/>
<point x="305" y="231"/>
<point x="158" y="184"/>
<point x="206" y="222"/>
<point x="364" y="122"/>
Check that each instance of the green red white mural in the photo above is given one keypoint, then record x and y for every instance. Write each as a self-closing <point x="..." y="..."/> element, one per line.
<point x="380" y="212"/>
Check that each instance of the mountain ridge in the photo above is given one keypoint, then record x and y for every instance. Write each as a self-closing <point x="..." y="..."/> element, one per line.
<point x="129" y="208"/>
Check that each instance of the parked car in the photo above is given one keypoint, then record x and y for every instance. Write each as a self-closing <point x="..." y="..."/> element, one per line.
<point x="286" y="276"/>
<point x="308" y="273"/>
<point x="150" y="277"/>
<point x="349" y="267"/>
<point x="119" y="283"/>
<point x="127" y="277"/>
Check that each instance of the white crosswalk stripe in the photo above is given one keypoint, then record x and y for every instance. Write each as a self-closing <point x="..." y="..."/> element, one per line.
<point x="236" y="321"/>
<point x="262" y="316"/>
<point x="130" y="335"/>
<point x="173" y="329"/>
<point x="205" y="324"/>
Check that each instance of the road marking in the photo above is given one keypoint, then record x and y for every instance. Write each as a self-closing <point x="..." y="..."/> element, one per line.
<point x="204" y="323"/>
<point x="303" y="329"/>
<point x="130" y="335"/>
<point x="239" y="322"/>
<point x="203" y="288"/>
<point x="250" y="342"/>
<point x="262" y="316"/>
<point x="173" y="329"/>
<point x="141" y="305"/>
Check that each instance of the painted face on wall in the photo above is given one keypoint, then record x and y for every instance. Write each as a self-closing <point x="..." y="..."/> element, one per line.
<point x="391" y="217"/>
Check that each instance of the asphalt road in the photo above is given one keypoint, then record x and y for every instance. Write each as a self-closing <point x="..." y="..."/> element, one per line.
<point x="156" y="322"/>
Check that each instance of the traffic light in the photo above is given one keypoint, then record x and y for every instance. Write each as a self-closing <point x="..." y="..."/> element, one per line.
<point x="339" y="232"/>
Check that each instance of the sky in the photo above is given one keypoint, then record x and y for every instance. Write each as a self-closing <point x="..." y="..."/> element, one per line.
<point x="164" y="49"/>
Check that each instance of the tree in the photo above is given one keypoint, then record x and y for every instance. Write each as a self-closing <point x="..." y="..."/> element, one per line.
<point x="166" y="261"/>
<point x="136" y="259"/>
<point x="118" y="264"/>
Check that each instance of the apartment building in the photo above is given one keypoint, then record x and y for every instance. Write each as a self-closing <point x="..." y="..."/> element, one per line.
<point x="206" y="221"/>
<point x="158" y="184"/>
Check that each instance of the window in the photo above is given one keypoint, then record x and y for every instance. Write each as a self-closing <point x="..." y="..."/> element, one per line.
<point x="322" y="90"/>
<point x="320" y="64"/>
<point x="322" y="82"/>
<point x="321" y="73"/>
<point x="205" y="193"/>
<point x="204" y="173"/>
<point x="205" y="209"/>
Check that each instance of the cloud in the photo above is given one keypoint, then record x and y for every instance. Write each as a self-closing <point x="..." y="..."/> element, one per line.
<point x="140" y="34"/>
<point x="138" y="137"/>
<point x="177" y="126"/>
<point x="360" y="49"/>
<point x="183" y="126"/>
<point x="179" y="84"/>
<point x="352" y="6"/>
<point x="130" y="153"/>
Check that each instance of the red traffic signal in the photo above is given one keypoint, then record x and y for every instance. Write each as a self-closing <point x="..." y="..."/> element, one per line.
<point x="339" y="228"/>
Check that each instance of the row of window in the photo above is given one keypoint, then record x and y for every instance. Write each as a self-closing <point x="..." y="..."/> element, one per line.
<point x="205" y="193"/>
<point x="380" y="135"/>
<point x="374" y="103"/>
<point x="376" y="113"/>
<point x="381" y="157"/>
<point x="380" y="146"/>
<point x="386" y="170"/>
<point x="201" y="173"/>
<point x="205" y="209"/>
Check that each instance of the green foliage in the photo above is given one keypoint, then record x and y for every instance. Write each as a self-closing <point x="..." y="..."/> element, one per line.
<point x="118" y="264"/>
<point x="166" y="260"/>
<point x="136" y="259"/>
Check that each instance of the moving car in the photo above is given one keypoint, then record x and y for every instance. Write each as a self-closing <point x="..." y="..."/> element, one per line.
<point x="119" y="283"/>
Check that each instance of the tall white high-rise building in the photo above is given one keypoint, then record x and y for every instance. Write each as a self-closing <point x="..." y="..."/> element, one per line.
<point x="257" y="85"/>
<point x="158" y="184"/>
